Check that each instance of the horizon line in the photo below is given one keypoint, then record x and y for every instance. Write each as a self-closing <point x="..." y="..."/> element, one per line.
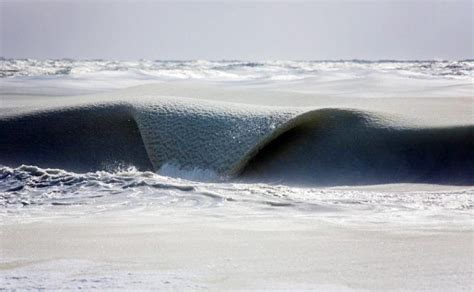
<point x="244" y="60"/>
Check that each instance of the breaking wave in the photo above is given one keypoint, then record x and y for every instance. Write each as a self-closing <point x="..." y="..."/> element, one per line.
<point x="202" y="140"/>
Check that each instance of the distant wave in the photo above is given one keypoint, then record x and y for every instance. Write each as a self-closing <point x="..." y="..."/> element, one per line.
<point x="325" y="146"/>
<point x="234" y="70"/>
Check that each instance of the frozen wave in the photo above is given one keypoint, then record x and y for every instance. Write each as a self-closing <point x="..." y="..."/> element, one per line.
<point x="310" y="146"/>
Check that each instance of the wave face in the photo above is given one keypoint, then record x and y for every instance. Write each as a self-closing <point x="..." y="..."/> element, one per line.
<point x="325" y="146"/>
<point x="342" y="147"/>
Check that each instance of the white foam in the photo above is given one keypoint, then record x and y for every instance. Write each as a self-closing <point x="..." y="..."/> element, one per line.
<point x="36" y="193"/>
<point x="193" y="173"/>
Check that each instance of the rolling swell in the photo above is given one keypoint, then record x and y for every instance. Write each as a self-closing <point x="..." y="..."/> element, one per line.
<point x="320" y="147"/>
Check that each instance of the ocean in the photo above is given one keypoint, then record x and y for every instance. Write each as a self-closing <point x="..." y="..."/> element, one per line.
<point x="251" y="153"/>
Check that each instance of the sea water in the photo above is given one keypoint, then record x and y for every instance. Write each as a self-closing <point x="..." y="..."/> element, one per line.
<point x="26" y="189"/>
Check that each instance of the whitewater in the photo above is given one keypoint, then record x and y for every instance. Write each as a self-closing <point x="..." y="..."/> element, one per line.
<point x="329" y="175"/>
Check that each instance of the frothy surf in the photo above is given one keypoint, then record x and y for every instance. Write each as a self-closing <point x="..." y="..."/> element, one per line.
<point x="236" y="70"/>
<point x="30" y="189"/>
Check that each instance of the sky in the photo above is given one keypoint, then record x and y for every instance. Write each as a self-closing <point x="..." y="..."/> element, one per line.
<point x="263" y="30"/>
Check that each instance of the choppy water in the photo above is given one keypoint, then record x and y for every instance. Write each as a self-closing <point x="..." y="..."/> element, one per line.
<point x="236" y="70"/>
<point x="29" y="190"/>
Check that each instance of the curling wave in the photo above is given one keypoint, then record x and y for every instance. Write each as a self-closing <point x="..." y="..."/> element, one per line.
<point x="322" y="146"/>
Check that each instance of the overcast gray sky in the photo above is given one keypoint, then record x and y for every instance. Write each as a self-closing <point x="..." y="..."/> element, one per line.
<point x="264" y="30"/>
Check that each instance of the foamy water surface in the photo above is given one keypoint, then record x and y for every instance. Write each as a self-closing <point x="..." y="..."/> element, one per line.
<point x="31" y="191"/>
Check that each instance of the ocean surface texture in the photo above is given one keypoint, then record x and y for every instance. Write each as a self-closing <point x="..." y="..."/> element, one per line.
<point x="337" y="147"/>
